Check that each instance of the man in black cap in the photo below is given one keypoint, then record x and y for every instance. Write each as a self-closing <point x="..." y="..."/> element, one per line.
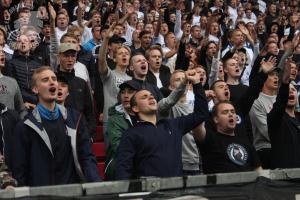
<point x="120" y="118"/>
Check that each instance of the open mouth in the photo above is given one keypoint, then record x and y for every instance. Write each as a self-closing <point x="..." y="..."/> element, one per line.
<point x="52" y="90"/>
<point x="201" y="79"/>
<point x="2" y="59"/>
<point x="237" y="71"/>
<point x="143" y="67"/>
<point x="231" y="121"/>
<point x="226" y="94"/>
<point x="157" y="63"/>
<point x="59" y="94"/>
<point x="276" y="82"/>
<point x="291" y="97"/>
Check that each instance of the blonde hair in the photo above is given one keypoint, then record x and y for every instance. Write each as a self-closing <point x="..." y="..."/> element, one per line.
<point x="37" y="72"/>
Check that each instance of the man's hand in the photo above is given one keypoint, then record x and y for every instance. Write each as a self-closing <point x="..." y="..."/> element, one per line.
<point x="29" y="105"/>
<point x="192" y="76"/>
<point x="81" y="5"/>
<point x="210" y="94"/>
<point x="180" y="5"/>
<point x="110" y="31"/>
<point x="243" y="29"/>
<point x="267" y="66"/>
<point x="52" y="12"/>
<point x="296" y="40"/>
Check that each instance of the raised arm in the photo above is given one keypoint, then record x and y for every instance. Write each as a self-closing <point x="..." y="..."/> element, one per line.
<point x="275" y="116"/>
<point x="246" y="32"/>
<point x="80" y="11"/>
<point x="200" y="114"/>
<point x="256" y="85"/>
<point x="289" y="51"/>
<point x="165" y="104"/>
<point x="102" y="64"/>
<point x="177" y="27"/>
<point x="53" y="39"/>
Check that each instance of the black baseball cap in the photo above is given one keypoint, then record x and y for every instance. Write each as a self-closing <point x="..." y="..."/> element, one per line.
<point x="130" y="84"/>
<point x="116" y="39"/>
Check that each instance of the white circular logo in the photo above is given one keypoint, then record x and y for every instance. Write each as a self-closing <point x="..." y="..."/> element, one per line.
<point x="237" y="154"/>
<point x="238" y="119"/>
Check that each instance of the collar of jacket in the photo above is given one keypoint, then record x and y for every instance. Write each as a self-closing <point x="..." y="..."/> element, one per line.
<point x="35" y="122"/>
<point x="120" y="108"/>
<point x="67" y="75"/>
<point x="19" y="56"/>
<point x="3" y="108"/>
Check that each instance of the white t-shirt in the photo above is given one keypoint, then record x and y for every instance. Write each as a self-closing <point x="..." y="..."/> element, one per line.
<point x="158" y="81"/>
<point x="170" y="62"/>
<point x="59" y="34"/>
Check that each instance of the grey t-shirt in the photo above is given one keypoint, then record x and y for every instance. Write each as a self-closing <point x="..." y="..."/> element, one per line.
<point x="258" y="116"/>
<point x="10" y="94"/>
<point x="111" y="82"/>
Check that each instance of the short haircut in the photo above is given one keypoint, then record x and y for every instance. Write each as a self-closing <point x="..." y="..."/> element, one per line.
<point x="123" y="47"/>
<point x="23" y="10"/>
<point x="96" y="26"/>
<point x="193" y="27"/>
<point x="212" y="87"/>
<point x="215" y="109"/>
<point x="68" y="34"/>
<point x="151" y="48"/>
<point x="37" y="72"/>
<point x="135" y="54"/>
<point x="142" y="33"/>
<point x="133" y="100"/>
<point x="95" y="12"/>
<point x="74" y="28"/>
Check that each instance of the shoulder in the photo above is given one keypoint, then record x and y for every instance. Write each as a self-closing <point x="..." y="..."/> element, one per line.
<point x="10" y="80"/>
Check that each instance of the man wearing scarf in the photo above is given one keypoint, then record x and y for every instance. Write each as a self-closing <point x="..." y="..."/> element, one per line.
<point x="52" y="144"/>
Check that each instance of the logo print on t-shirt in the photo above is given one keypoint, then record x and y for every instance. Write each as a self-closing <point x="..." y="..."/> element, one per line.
<point x="237" y="154"/>
<point x="238" y="119"/>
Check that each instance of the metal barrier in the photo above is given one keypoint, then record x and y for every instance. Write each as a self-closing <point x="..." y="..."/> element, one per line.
<point x="148" y="185"/>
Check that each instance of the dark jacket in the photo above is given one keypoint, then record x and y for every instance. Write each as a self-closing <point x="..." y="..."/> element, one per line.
<point x="88" y="60"/>
<point x="149" y="86"/>
<point x="148" y="150"/>
<point x="33" y="158"/>
<point x="80" y="99"/>
<point x="42" y="53"/>
<point x="284" y="133"/>
<point x="8" y="121"/>
<point x="21" y="68"/>
<point x="164" y="76"/>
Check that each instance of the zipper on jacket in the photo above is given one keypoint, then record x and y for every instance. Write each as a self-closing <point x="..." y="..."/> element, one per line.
<point x="28" y="86"/>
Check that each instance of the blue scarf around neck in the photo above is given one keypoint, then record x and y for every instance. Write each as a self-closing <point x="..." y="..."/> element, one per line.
<point x="48" y="114"/>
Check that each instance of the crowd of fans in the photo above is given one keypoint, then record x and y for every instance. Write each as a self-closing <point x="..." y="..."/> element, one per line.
<point x="181" y="87"/>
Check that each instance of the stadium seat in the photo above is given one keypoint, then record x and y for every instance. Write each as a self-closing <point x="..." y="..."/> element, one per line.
<point x="99" y="150"/>
<point x="101" y="168"/>
<point x="99" y="134"/>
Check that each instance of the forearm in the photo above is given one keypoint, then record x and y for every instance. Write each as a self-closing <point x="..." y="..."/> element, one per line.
<point x="177" y="27"/>
<point x="252" y="93"/>
<point x="102" y="65"/>
<point x="167" y="103"/>
<point x="214" y="73"/>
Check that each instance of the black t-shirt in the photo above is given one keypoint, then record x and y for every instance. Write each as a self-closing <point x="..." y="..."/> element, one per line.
<point x="223" y="153"/>
<point x="236" y="92"/>
<point x="63" y="163"/>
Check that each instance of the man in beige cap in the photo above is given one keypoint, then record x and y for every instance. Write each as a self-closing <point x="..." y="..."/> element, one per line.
<point x="80" y="96"/>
